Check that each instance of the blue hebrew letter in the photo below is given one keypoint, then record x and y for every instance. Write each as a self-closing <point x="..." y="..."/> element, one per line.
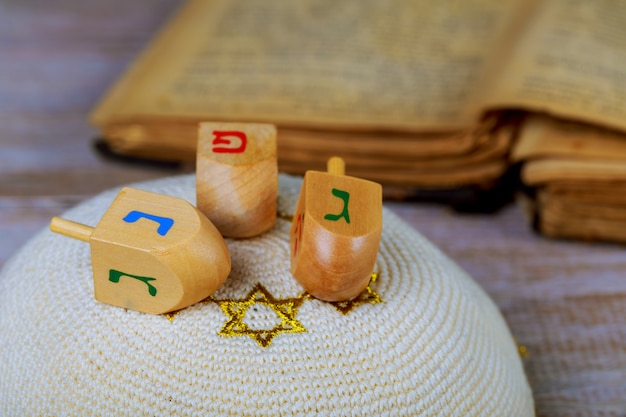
<point x="165" y="223"/>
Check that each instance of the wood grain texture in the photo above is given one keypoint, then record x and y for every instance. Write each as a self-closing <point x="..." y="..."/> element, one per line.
<point x="237" y="177"/>
<point x="335" y="234"/>
<point x="564" y="301"/>
<point x="169" y="254"/>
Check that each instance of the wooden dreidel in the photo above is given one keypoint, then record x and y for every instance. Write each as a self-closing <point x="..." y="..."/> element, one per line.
<point x="152" y="253"/>
<point x="335" y="233"/>
<point x="237" y="177"/>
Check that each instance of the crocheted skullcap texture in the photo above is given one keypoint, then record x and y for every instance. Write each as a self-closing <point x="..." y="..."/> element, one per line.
<point x="435" y="344"/>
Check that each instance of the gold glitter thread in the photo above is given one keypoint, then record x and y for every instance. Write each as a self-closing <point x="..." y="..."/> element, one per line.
<point x="170" y="316"/>
<point x="285" y="309"/>
<point x="522" y="350"/>
<point x="236" y="310"/>
<point x="368" y="296"/>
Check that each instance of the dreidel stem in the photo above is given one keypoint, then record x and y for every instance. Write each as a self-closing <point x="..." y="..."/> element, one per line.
<point x="71" y="229"/>
<point x="336" y="166"/>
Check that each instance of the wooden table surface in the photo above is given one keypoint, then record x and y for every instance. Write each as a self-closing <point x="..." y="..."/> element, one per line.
<point x="565" y="302"/>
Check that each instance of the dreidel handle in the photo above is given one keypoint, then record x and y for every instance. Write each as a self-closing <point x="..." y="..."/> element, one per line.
<point x="71" y="229"/>
<point x="336" y="166"/>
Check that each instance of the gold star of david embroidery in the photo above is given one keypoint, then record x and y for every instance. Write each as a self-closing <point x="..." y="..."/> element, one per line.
<point x="236" y="310"/>
<point x="367" y="296"/>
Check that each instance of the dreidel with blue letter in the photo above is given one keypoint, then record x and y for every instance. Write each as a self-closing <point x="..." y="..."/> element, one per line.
<point x="335" y="233"/>
<point x="152" y="253"/>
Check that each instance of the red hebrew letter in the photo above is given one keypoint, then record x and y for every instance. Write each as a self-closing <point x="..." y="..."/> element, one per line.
<point x="297" y="233"/>
<point x="225" y="137"/>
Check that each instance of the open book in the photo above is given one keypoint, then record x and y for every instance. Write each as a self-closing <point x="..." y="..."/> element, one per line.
<point x="408" y="92"/>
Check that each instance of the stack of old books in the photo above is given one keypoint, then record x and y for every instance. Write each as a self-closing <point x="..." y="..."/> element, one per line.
<point x="410" y="93"/>
<point x="575" y="175"/>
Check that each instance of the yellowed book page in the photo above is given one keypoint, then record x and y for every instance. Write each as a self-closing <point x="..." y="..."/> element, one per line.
<point x="396" y="64"/>
<point x="544" y="136"/>
<point x="581" y="221"/>
<point x="598" y="192"/>
<point x="495" y="147"/>
<point x="570" y="61"/>
<point x="579" y="208"/>
<point x="176" y="140"/>
<point x="542" y="171"/>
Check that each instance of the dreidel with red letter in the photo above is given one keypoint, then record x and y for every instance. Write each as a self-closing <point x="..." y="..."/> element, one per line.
<point x="335" y="233"/>
<point x="152" y="253"/>
<point x="237" y="177"/>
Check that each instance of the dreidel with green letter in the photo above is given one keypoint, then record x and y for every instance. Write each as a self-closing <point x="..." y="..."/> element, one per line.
<point x="335" y="233"/>
<point x="152" y="253"/>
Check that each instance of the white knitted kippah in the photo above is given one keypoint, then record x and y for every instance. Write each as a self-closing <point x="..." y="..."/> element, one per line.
<point x="423" y="339"/>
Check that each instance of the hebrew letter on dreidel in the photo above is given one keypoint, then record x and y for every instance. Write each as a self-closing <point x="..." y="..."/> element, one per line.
<point x="297" y="232"/>
<point x="114" y="276"/>
<point x="345" y="196"/>
<point x="187" y="262"/>
<point x="165" y="223"/>
<point x="220" y="136"/>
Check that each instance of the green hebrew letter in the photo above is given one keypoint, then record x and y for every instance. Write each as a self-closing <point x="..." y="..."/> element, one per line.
<point x="114" y="276"/>
<point x="345" y="196"/>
